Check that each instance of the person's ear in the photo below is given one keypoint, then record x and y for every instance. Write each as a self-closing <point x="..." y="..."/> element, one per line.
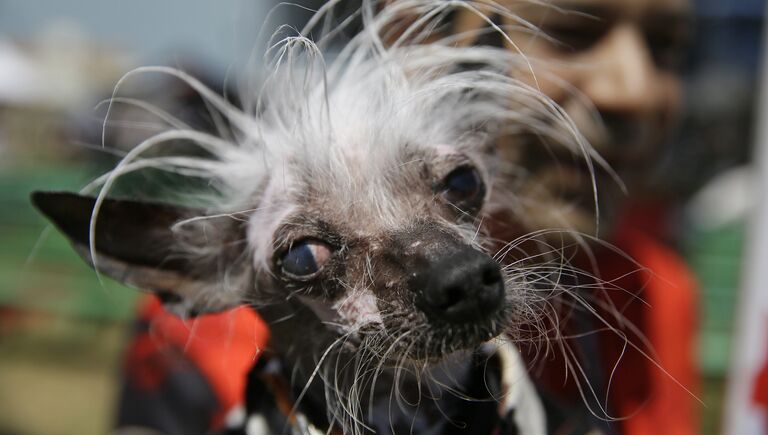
<point x="141" y="244"/>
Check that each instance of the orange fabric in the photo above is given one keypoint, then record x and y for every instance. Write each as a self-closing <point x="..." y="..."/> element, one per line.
<point x="223" y="346"/>
<point x="669" y="322"/>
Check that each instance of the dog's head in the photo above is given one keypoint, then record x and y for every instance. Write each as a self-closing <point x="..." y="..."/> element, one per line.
<point x="378" y="235"/>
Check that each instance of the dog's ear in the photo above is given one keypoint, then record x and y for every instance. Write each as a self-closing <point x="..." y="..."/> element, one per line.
<point x="138" y="244"/>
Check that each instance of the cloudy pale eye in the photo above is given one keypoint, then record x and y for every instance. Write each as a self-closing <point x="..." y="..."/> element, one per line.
<point x="305" y="258"/>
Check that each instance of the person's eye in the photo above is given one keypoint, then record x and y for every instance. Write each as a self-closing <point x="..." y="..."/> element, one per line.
<point x="305" y="258"/>
<point x="667" y="49"/>
<point x="575" y="37"/>
<point x="464" y="188"/>
<point x="668" y="35"/>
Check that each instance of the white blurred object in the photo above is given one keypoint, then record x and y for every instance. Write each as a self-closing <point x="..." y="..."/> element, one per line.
<point x="61" y="68"/>
<point x="726" y="199"/>
<point x="20" y="78"/>
<point x="746" y="409"/>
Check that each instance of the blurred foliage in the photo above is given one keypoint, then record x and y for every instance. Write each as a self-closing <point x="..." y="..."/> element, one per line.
<point x="39" y="271"/>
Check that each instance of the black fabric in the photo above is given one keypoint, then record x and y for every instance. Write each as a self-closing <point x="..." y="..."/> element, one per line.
<point x="182" y="404"/>
<point x="566" y="419"/>
<point x="508" y="426"/>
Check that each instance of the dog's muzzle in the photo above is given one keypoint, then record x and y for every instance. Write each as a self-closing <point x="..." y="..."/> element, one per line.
<point x="462" y="286"/>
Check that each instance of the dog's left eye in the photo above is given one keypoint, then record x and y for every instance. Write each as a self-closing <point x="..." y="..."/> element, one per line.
<point x="305" y="258"/>
<point x="464" y="187"/>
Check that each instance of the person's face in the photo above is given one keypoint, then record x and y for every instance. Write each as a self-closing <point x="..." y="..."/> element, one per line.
<point x="609" y="60"/>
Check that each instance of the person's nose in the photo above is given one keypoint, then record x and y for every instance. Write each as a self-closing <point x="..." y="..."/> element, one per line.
<point x="622" y="75"/>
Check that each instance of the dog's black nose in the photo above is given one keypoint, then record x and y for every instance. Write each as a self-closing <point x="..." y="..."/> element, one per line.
<point x="461" y="287"/>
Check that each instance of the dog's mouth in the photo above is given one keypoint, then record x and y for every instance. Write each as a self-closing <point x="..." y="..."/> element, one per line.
<point x="445" y="340"/>
<point x="406" y="334"/>
<point x="417" y="337"/>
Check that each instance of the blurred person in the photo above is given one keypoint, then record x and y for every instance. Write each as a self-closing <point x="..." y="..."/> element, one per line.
<point x="613" y="66"/>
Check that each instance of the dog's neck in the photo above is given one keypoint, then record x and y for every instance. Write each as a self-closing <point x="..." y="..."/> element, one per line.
<point x="478" y="390"/>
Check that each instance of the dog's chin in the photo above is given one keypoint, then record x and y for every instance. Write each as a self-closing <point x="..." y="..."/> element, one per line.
<point x="424" y="342"/>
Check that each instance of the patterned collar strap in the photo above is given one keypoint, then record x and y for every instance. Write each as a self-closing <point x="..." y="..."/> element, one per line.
<point x="270" y="407"/>
<point x="521" y="401"/>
